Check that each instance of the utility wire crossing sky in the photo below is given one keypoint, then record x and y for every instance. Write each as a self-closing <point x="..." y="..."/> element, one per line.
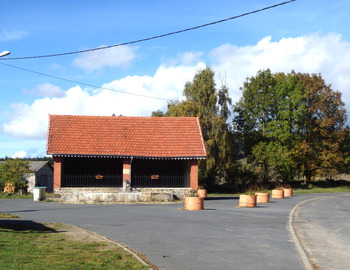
<point x="136" y="78"/>
<point x="151" y="38"/>
<point x="128" y="43"/>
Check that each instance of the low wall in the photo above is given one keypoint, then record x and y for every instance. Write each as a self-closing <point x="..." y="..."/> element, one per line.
<point x="116" y="195"/>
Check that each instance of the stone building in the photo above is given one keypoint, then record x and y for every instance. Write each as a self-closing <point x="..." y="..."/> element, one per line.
<point x="41" y="175"/>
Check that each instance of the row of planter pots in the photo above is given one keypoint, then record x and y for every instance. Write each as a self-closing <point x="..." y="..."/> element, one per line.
<point x="248" y="200"/>
<point x="245" y="200"/>
<point x="281" y="193"/>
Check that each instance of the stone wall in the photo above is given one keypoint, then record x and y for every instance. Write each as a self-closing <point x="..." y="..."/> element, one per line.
<point x="116" y="195"/>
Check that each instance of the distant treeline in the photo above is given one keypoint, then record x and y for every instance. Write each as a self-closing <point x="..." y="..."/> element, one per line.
<point x="49" y="159"/>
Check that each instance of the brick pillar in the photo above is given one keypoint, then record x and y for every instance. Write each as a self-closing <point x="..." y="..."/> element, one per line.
<point x="194" y="174"/>
<point x="126" y="171"/>
<point x="57" y="172"/>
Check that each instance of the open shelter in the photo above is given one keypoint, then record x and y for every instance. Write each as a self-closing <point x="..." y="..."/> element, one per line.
<point x="115" y="158"/>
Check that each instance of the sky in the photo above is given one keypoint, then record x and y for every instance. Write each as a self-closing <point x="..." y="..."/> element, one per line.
<point x="306" y="36"/>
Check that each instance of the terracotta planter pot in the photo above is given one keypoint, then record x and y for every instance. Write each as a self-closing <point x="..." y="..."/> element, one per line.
<point x="194" y="203"/>
<point x="277" y="194"/>
<point x="202" y="193"/>
<point x="262" y="197"/>
<point x="288" y="192"/>
<point x="247" y="200"/>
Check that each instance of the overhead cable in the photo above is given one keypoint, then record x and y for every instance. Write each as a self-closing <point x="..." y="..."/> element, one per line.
<point x="149" y="38"/>
<point x="86" y="84"/>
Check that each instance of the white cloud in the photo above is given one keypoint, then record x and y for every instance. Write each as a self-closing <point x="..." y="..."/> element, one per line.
<point x="328" y="55"/>
<point x="121" y="56"/>
<point x="11" y="35"/>
<point x="185" y="59"/>
<point x="46" y="90"/>
<point x="19" y="154"/>
<point x="30" y="121"/>
<point x="188" y="58"/>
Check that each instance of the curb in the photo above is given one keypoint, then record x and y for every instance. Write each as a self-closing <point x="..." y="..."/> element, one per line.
<point x="301" y="250"/>
<point x="115" y="243"/>
<point x="302" y="253"/>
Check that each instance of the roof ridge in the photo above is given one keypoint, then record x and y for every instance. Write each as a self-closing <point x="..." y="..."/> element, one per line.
<point x="120" y="116"/>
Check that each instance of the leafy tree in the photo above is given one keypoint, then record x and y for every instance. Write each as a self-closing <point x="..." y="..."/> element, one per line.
<point x="13" y="171"/>
<point x="345" y="149"/>
<point x="254" y="112"/>
<point x="257" y="103"/>
<point x="286" y="129"/>
<point x="224" y="139"/>
<point x="158" y="113"/>
<point x="291" y="123"/>
<point x="324" y="128"/>
<point x="211" y="106"/>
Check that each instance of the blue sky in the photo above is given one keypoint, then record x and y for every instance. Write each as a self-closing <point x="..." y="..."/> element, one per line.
<point x="307" y="36"/>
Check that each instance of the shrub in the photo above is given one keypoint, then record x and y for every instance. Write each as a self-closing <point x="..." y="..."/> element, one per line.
<point x="14" y="171"/>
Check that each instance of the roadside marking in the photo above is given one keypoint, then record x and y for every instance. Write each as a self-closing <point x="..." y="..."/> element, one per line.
<point x="302" y="252"/>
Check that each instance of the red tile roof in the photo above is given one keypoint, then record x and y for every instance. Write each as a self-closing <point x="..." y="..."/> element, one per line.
<point x="175" y="137"/>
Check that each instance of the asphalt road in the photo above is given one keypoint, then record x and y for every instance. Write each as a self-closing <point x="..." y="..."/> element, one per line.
<point x="323" y="227"/>
<point x="221" y="237"/>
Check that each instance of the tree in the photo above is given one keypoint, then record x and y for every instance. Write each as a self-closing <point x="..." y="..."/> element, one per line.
<point x="255" y="110"/>
<point x="157" y="113"/>
<point x="324" y="128"/>
<point x="224" y="139"/>
<point x="345" y="149"/>
<point x="211" y="106"/>
<point x="14" y="171"/>
<point x="286" y="128"/>
<point x="292" y="123"/>
<point x="257" y="103"/>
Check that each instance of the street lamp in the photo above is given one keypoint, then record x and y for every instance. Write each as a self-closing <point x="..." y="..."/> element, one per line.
<point x="4" y="53"/>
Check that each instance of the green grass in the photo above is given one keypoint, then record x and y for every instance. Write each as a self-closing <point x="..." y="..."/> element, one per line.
<point x="313" y="189"/>
<point x="4" y="195"/>
<point x="302" y="190"/>
<point x="35" y="246"/>
<point x="7" y="216"/>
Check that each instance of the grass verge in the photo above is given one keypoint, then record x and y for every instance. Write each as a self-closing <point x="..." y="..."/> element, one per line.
<point x="7" y="216"/>
<point x="30" y="245"/>
<point x="302" y="190"/>
<point x="4" y="195"/>
<point x="312" y="189"/>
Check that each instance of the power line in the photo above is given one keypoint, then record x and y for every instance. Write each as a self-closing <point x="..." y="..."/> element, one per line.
<point x="150" y="38"/>
<point x="127" y="43"/>
<point x="82" y="83"/>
